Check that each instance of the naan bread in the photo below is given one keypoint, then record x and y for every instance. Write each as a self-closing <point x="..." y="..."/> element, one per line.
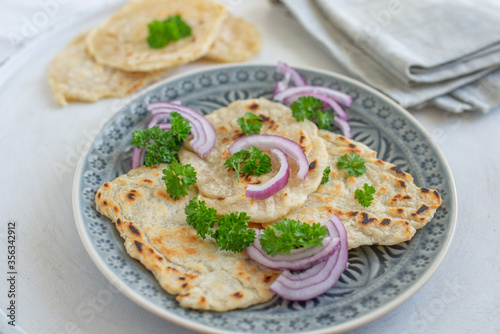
<point x="399" y="207"/>
<point x="238" y="40"/>
<point x="120" y="41"/>
<point x="218" y="185"/>
<point x="156" y="233"/>
<point x="75" y="76"/>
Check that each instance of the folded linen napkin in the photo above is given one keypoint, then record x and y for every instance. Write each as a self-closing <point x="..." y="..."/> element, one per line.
<point x="445" y="53"/>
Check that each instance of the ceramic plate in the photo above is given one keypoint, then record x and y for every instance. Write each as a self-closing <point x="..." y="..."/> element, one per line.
<point x="378" y="278"/>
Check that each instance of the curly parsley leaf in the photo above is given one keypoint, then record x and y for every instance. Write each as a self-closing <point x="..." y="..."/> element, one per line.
<point x="251" y="162"/>
<point x="353" y="163"/>
<point x="365" y="196"/>
<point x="305" y="107"/>
<point x="179" y="126"/>
<point x="326" y="175"/>
<point x="250" y="123"/>
<point x="288" y="234"/>
<point x="178" y="178"/>
<point x="236" y="161"/>
<point x="161" y="33"/>
<point x="200" y="217"/>
<point x="232" y="232"/>
<point x="258" y="164"/>
<point x="308" y="107"/>
<point x="161" y="145"/>
<point x="324" y="119"/>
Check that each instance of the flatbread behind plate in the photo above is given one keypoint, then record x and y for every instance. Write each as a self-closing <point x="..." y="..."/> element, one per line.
<point x="156" y="233"/>
<point x="121" y="40"/>
<point x="238" y="40"/>
<point x="75" y="76"/>
<point x="399" y="207"/>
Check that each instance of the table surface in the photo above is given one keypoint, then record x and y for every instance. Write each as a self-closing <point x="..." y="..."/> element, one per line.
<point x="59" y="287"/>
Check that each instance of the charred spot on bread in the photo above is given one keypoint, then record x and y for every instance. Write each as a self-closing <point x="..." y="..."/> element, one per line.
<point x="138" y="244"/>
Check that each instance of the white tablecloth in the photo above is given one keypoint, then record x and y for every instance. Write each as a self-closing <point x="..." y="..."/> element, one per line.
<point x="58" y="285"/>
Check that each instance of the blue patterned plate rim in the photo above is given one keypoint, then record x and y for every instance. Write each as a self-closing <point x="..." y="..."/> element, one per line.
<point x="192" y="324"/>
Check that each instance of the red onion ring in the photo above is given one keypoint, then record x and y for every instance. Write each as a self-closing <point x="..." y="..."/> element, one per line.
<point x="137" y="157"/>
<point x="338" y="96"/>
<point x="343" y="126"/>
<point x="296" y="77"/>
<point x="275" y="184"/>
<point x="319" y="278"/>
<point x="205" y="141"/>
<point x="293" y="261"/>
<point x="267" y="142"/>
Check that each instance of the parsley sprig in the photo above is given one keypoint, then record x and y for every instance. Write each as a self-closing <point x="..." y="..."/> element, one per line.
<point x="251" y="162"/>
<point x="326" y="175"/>
<point x="353" y="163"/>
<point x="365" y="196"/>
<point x="308" y="107"/>
<point x="250" y="123"/>
<point x="161" y="33"/>
<point x="231" y="231"/>
<point x="288" y="234"/>
<point x="161" y="145"/>
<point x="178" y="178"/>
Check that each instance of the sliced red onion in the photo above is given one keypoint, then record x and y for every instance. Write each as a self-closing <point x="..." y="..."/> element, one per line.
<point x="324" y="98"/>
<point x="177" y="102"/>
<point x="319" y="278"/>
<point x="137" y="157"/>
<point x="296" y="77"/>
<point x="338" y="96"/>
<point x="272" y="186"/>
<point x="159" y="118"/>
<point x="205" y="141"/>
<point x="267" y="142"/>
<point x="343" y="126"/>
<point x="165" y="126"/>
<point x="162" y="107"/>
<point x="293" y="261"/>
<point x="282" y="85"/>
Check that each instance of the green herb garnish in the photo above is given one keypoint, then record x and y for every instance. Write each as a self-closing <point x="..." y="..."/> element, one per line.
<point x="353" y="163"/>
<point x="161" y="33"/>
<point x="250" y="123"/>
<point x="365" y="196"/>
<point x="288" y="234"/>
<point x="200" y="217"/>
<point x="326" y="175"/>
<point x="161" y="145"/>
<point x="230" y="232"/>
<point x="308" y="107"/>
<point x="251" y="162"/>
<point x="178" y="178"/>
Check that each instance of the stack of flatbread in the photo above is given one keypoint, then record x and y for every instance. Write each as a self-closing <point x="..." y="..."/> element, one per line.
<point x="115" y="59"/>
<point x="204" y="277"/>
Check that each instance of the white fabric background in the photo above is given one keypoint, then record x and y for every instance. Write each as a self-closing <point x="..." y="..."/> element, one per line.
<point x="56" y="276"/>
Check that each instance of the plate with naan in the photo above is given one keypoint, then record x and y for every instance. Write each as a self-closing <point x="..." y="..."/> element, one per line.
<point x="378" y="278"/>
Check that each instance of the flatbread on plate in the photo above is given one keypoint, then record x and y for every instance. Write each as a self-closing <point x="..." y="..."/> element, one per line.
<point x="121" y="40"/>
<point x="218" y="185"/>
<point x="75" y="76"/>
<point x="399" y="207"/>
<point x="156" y="233"/>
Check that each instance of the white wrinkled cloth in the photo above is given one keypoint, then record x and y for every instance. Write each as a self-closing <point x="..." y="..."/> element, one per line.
<point x="445" y="52"/>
